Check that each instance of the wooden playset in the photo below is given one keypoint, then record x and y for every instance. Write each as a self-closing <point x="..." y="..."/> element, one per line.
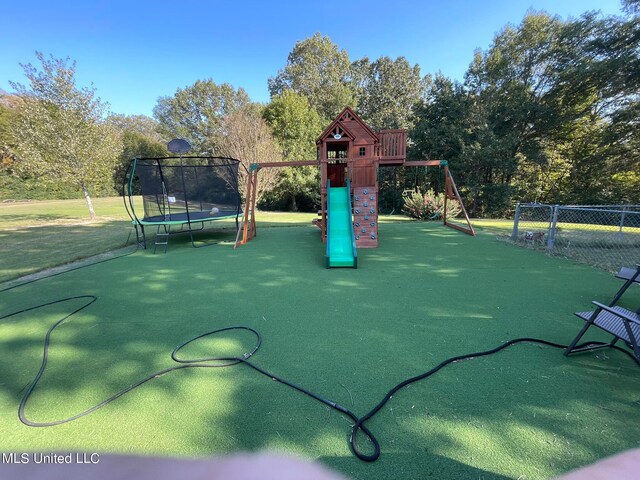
<point x="349" y="155"/>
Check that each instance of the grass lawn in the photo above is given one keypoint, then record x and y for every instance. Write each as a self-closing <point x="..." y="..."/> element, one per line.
<point x="37" y="235"/>
<point x="426" y="294"/>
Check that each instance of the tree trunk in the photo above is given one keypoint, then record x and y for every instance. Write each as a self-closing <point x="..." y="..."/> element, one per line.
<point x="92" y="213"/>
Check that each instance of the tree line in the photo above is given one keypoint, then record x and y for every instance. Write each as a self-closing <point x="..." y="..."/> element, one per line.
<point x="548" y="113"/>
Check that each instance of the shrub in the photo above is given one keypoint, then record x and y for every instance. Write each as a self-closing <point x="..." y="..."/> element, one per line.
<point x="428" y="206"/>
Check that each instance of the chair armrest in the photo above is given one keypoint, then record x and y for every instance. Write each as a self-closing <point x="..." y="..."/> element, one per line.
<point x="619" y="312"/>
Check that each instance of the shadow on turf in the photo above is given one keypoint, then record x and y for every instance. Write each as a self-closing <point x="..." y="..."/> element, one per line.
<point x="39" y="217"/>
<point x="182" y="291"/>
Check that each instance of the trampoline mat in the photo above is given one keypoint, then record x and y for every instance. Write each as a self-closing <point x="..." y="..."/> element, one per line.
<point x="193" y="217"/>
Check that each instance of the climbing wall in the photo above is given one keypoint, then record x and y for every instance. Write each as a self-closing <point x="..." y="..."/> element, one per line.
<point x="365" y="216"/>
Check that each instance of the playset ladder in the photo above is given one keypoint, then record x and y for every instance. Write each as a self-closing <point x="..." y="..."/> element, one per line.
<point x="162" y="238"/>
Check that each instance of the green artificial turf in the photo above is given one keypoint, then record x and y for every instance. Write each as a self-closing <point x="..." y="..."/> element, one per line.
<point x="426" y="294"/>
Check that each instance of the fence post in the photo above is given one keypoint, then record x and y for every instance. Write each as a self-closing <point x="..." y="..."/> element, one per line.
<point x="551" y="237"/>
<point x="516" y="220"/>
<point x="624" y="209"/>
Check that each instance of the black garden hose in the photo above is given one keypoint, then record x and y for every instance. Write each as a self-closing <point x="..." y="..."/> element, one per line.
<point x="358" y="422"/>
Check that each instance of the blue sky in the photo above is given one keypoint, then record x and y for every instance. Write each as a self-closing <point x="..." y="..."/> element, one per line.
<point x="136" y="51"/>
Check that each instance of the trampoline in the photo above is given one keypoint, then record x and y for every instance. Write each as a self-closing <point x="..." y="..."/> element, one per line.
<point x="183" y="192"/>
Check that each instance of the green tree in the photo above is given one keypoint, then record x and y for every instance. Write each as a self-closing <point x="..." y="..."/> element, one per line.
<point x="550" y="113"/>
<point x="521" y="111"/>
<point x="631" y="7"/>
<point x="141" y="124"/>
<point x="140" y="138"/>
<point x="296" y="125"/>
<point x="387" y="91"/>
<point x="590" y="113"/>
<point x="195" y="113"/>
<point x="297" y="189"/>
<point x="500" y="120"/>
<point x="61" y="132"/>
<point x="319" y="70"/>
<point x="609" y="68"/>
<point x="8" y="118"/>
<point x="451" y="125"/>
<point x="514" y="81"/>
<point x="439" y="132"/>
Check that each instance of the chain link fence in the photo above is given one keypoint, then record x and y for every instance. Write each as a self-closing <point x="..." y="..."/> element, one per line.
<point x="605" y="236"/>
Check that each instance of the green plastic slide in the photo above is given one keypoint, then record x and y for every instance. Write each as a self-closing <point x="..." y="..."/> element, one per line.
<point x="341" y="246"/>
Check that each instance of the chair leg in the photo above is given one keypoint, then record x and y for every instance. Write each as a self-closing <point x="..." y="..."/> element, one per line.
<point x="586" y="326"/>
<point x="573" y="344"/>
<point x="635" y="347"/>
<point x="636" y="354"/>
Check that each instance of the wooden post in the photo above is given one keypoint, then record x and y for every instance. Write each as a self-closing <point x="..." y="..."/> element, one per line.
<point x="245" y="214"/>
<point x="446" y="194"/>
<point x="254" y="196"/>
<point x="323" y="195"/>
<point x="452" y="191"/>
<point x="248" y="229"/>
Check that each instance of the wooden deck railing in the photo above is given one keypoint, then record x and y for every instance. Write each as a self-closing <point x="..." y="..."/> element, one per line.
<point x="393" y="146"/>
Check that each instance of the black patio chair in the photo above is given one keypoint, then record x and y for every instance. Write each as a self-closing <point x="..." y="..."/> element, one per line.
<point x="623" y="324"/>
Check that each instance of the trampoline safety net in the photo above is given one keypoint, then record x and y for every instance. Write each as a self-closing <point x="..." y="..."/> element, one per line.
<point x="185" y="189"/>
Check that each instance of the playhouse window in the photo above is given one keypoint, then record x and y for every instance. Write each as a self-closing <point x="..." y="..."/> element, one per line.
<point x="363" y="151"/>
